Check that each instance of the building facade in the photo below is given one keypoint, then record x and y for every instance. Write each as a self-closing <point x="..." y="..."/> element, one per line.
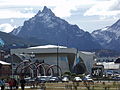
<point x="68" y="59"/>
<point x="110" y="67"/>
<point x="5" y="69"/>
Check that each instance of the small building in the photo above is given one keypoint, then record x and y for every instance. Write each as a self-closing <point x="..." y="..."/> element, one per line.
<point x="105" y="59"/>
<point x="5" y="69"/>
<point x="111" y="65"/>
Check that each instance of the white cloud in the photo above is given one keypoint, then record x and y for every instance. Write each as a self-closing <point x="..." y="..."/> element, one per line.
<point x="105" y="9"/>
<point x="61" y="8"/>
<point x="14" y="14"/>
<point x="44" y="2"/>
<point x="28" y="9"/>
<point x="6" y="27"/>
<point x="64" y="8"/>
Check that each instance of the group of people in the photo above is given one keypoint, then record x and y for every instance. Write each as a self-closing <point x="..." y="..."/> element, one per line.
<point x="13" y="84"/>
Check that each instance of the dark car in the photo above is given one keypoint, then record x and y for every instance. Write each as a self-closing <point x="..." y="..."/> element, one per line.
<point x="116" y="78"/>
<point x="54" y="79"/>
<point x="30" y="80"/>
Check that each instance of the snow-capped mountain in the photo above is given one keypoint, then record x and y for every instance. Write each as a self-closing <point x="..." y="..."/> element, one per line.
<point x="109" y="37"/>
<point x="54" y="30"/>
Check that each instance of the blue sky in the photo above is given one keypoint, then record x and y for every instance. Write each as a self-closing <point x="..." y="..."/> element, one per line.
<point x="89" y="15"/>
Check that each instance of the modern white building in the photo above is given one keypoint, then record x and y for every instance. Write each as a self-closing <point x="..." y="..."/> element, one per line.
<point x="105" y="59"/>
<point x="110" y="67"/>
<point x="69" y="59"/>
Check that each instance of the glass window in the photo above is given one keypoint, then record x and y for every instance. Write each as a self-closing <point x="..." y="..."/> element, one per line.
<point x="64" y="58"/>
<point x="78" y="60"/>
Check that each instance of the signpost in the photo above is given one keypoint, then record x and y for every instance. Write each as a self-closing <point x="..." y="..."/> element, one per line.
<point x="97" y="71"/>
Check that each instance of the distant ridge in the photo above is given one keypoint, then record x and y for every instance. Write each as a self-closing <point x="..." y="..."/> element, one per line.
<point x="9" y="41"/>
<point x="109" y="37"/>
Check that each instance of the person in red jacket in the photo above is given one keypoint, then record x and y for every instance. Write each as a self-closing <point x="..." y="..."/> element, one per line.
<point x="11" y="83"/>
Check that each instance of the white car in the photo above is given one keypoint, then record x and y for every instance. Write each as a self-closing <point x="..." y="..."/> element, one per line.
<point x="88" y="79"/>
<point x="65" y="79"/>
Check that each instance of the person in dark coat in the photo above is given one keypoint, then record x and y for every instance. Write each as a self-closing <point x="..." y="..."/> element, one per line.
<point x="2" y="84"/>
<point x="15" y="83"/>
<point x="22" y="82"/>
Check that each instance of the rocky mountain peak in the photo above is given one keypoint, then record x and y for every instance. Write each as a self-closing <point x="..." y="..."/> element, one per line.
<point x="45" y="12"/>
<point x="45" y="26"/>
<point x="118" y="22"/>
<point x="39" y="12"/>
<point x="116" y="26"/>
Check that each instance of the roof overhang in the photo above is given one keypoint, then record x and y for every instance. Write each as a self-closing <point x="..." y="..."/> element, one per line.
<point x="4" y="63"/>
<point x="43" y="49"/>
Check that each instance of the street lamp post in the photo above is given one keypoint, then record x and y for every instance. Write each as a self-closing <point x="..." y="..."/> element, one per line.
<point x="57" y="61"/>
<point x="12" y="64"/>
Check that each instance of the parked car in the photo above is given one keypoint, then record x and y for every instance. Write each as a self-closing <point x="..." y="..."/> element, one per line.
<point x="87" y="79"/>
<point x="43" y="79"/>
<point x="116" y="78"/>
<point x="77" y="79"/>
<point x="30" y="80"/>
<point x="54" y="79"/>
<point x="27" y="79"/>
<point x="65" y="79"/>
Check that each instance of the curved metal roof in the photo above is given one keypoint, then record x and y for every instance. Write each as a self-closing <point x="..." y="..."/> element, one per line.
<point x="47" y="46"/>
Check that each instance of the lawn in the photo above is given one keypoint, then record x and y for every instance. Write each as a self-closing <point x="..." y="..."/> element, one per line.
<point x="78" y="86"/>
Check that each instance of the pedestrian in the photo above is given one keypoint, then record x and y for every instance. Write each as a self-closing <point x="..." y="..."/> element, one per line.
<point x="11" y="83"/>
<point x="15" y="84"/>
<point x="2" y="84"/>
<point x="22" y="82"/>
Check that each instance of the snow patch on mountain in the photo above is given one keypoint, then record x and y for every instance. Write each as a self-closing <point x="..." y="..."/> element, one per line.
<point x="103" y="29"/>
<point x="108" y="37"/>
<point x="15" y="32"/>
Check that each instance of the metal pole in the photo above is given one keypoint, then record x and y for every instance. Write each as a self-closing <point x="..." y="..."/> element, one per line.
<point x="57" y="62"/>
<point x="12" y="64"/>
